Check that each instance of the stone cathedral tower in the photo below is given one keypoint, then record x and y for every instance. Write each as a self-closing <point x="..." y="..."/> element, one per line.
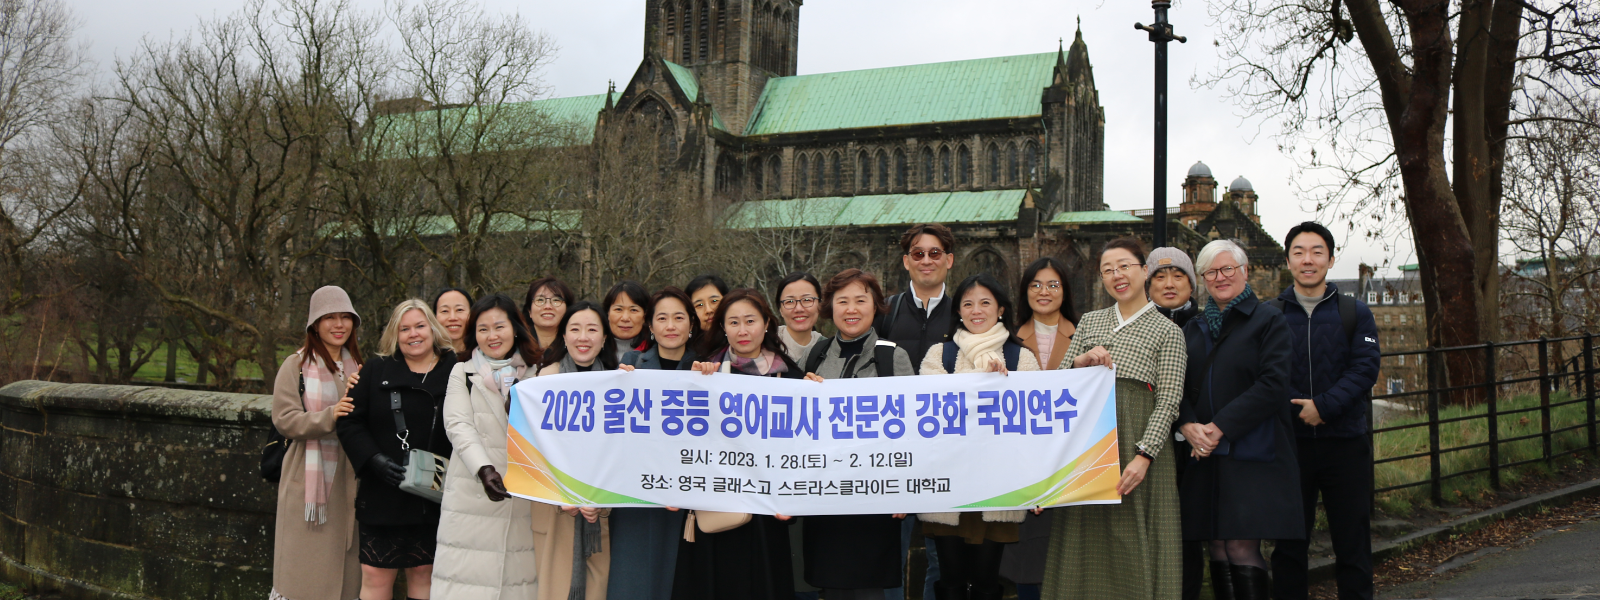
<point x="733" y="47"/>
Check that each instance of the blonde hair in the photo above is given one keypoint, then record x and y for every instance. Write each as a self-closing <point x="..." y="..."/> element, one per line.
<point x="390" y="342"/>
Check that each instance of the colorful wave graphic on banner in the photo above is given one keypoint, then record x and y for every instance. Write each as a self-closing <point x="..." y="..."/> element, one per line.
<point x="533" y="476"/>
<point x="1091" y="477"/>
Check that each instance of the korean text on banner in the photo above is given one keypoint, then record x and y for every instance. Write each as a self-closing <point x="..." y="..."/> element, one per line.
<point x="932" y="443"/>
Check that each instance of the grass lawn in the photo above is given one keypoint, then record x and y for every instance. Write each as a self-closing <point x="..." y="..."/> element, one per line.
<point x="11" y="592"/>
<point x="1470" y="487"/>
<point x="188" y="368"/>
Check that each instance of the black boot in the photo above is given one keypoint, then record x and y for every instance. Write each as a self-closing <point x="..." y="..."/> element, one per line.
<point x="1251" y="583"/>
<point x="948" y="591"/>
<point x="1221" y="581"/>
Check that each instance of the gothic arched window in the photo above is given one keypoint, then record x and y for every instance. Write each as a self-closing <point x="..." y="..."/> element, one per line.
<point x="775" y="175"/>
<point x="818" y="181"/>
<point x="1031" y="162"/>
<point x="964" y="166"/>
<point x="837" y="173"/>
<point x="757" y="171"/>
<point x="704" y="32"/>
<point x="944" y="166"/>
<point x="863" y="172"/>
<point x="883" y="170"/>
<point x="901" y="174"/>
<point x="688" y="33"/>
<point x="994" y="165"/>
<point x="802" y="176"/>
<point x="927" y="168"/>
<point x="1011" y="163"/>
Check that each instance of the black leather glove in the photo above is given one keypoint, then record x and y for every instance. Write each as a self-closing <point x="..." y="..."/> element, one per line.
<point x="386" y="469"/>
<point x="493" y="486"/>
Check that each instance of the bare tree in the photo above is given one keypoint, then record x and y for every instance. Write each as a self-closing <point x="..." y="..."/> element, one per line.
<point x="40" y="64"/>
<point x="1553" y="221"/>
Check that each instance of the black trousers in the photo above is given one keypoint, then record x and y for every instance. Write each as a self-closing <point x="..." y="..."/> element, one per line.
<point x="1340" y="471"/>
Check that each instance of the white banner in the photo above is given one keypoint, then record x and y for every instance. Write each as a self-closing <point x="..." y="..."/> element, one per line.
<point x="933" y="443"/>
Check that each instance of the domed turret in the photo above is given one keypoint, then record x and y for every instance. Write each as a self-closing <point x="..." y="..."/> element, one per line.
<point x="1241" y="185"/>
<point x="1199" y="170"/>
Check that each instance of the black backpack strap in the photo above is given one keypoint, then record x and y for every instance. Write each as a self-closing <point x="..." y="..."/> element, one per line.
<point x="818" y="354"/>
<point x="883" y="355"/>
<point x="894" y="313"/>
<point x="1276" y="303"/>
<point x="1347" y="316"/>
<point x="1013" y="354"/>
<point x="950" y="350"/>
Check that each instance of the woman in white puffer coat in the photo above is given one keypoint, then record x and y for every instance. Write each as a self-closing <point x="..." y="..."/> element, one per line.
<point x="485" y="540"/>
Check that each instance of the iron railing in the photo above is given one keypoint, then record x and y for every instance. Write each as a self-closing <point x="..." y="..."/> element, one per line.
<point x="1520" y="368"/>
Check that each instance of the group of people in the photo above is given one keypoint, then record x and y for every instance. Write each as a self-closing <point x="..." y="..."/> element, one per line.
<point x="1234" y="413"/>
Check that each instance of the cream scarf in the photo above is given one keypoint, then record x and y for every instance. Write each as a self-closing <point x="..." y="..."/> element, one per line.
<point x="322" y="454"/>
<point x="978" y="349"/>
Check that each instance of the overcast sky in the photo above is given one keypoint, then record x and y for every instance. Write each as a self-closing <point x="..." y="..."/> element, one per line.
<point x="603" y="39"/>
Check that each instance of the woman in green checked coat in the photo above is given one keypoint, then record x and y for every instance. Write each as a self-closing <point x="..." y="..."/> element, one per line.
<point x="1127" y="551"/>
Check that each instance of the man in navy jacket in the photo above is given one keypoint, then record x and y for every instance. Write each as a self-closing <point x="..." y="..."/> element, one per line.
<point x="1334" y="366"/>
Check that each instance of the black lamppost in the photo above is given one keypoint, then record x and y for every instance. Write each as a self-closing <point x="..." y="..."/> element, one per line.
<point x="1161" y="33"/>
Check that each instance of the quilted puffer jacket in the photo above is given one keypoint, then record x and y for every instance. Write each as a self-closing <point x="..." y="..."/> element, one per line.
<point x="1337" y="372"/>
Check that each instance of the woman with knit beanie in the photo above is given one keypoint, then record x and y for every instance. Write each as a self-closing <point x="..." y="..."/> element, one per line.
<point x="1127" y="551"/>
<point x="983" y="339"/>
<point x="1245" y="485"/>
<point x="485" y="541"/>
<point x="315" y="556"/>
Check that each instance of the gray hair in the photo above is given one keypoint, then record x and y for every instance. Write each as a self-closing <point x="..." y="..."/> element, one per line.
<point x="389" y="344"/>
<point x="1215" y="248"/>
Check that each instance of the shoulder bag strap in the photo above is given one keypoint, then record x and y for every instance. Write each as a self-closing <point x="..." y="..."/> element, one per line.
<point x="883" y="356"/>
<point x="399" y="421"/>
<point x="818" y="354"/>
<point x="950" y="350"/>
<point x="1347" y="316"/>
<point x="1013" y="353"/>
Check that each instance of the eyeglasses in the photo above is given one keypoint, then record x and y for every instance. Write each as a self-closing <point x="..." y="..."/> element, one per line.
<point x="1052" y="285"/>
<point x="933" y="253"/>
<point x="1123" y="269"/>
<point x="1225" y="272"/>
<point x="806" y="302"/>
<point x="544" y="301"/>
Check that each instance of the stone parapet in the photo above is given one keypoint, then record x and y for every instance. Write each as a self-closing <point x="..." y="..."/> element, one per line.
<point x="134" y="492"/>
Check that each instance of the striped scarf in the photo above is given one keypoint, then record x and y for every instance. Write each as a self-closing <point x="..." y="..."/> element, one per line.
<point x="322" y="455"/>
<point x="1214" y="315"/>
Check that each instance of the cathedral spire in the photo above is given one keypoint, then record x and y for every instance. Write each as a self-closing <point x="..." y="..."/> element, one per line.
<point x="1078" y="67"/>
<point x="611" y="91"/>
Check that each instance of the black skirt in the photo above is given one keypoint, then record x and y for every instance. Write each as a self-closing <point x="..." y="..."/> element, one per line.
<point x="397" y="546"/>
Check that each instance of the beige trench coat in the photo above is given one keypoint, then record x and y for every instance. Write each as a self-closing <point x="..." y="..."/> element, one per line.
<point x="485" y="549"/>
<point x="552" y="539"/>
<point x="311" y="561"/>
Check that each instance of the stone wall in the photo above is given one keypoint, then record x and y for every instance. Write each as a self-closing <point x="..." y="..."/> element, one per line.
<point x="134" y="492"/>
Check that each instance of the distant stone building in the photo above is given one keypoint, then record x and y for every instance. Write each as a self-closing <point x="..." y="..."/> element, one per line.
<point x="1397" y="307"/>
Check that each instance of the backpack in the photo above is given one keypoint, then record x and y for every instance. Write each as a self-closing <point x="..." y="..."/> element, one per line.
<point x="882" y="357"/>
<point x="1347" y="313"/>
<point x="1013" y="353"/>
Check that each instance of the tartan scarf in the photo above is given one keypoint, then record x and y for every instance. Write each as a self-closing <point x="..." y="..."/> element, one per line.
<point x="1214" y="315"/>
<point x="322" y="455"/>
<point x="768" y="364"/>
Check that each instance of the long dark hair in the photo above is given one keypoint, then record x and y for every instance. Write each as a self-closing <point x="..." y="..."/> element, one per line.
<point x="1001" y="299"/>
<point x="523" y="341"/>
<point x="315" y="347"/>
<point x="716" y="339"/>
<point x="675" y="294"/>
<point x="1025" y="308"/>
<point x="558" y="348"/>
<point x="634" y="291"/>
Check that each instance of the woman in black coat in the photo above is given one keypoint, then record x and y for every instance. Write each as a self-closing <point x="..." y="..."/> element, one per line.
<point x="1245" y="485"/>
<point x="397" y="528"/>
<point x="749" y="562"/>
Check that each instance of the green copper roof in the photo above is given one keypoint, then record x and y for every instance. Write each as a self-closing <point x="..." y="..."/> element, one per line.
<point x="1411" y="267"/>
<point x="987" y="88"/>
<point x="550" y="122"/>
<point x="1094" y="216"/>
<point x="685" y="78"/>
<point x="882" y="210"/>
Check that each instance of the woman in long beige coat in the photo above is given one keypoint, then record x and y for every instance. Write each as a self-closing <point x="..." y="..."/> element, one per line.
<point x="485" y="541"/>
<point x="315" y="554"/>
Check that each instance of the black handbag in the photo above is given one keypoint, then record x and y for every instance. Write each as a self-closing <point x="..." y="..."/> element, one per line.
<point x="277" y="446"/>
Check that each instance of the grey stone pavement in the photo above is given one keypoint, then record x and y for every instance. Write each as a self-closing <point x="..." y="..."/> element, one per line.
<point x="1560" y="564"/>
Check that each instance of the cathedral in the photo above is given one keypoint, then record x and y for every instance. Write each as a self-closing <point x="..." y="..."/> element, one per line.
<point x="1007" y="151"/>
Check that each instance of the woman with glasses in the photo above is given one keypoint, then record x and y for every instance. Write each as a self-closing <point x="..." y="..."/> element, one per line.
<point x="545" y="304"/>
<point x="1245" y="486"/>
<point x="1048" y="321"/>
<point x="1130" y="550"/>
<point x="799" y="306"/>
<point x="705" y="294"/>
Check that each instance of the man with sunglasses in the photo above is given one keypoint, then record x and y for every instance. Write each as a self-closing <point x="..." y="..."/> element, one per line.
<point x="920" y="317"/>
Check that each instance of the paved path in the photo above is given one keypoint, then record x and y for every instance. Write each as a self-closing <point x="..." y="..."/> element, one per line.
<point x="1561" y="564"/>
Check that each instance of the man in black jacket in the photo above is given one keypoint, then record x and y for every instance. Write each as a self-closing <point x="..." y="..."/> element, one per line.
<point x="920" y="317"/>
<point x="1334" y="366"/>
